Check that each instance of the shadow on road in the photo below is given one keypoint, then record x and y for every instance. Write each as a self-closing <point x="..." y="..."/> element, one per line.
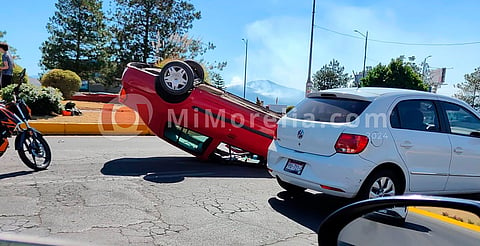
<point x="307" y="209"/>
<point x="175" y="169"/>
<point x="15" y="174"/>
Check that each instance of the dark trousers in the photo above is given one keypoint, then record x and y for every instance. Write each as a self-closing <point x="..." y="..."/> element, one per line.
<point x="6" y="80"/>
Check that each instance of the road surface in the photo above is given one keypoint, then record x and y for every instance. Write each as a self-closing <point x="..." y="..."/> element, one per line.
<point x="142" y="191"/>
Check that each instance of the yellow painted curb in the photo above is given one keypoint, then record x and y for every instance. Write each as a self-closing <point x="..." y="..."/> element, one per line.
<point x="444" y="219"/>
<point x="48" y="128"/>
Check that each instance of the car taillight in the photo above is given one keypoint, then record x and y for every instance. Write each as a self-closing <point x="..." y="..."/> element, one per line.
<point x="351" y="143"/>
<point x="123" y="95"/>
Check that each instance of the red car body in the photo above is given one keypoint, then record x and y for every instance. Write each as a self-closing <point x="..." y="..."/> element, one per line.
<point x="201" y="120"/>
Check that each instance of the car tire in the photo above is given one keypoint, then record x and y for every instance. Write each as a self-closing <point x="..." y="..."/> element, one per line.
<point x="381" y="183"/>
<point x="382" y="179"/>
<point x="290" y="188"/>
<point x="198" y="71"/>
<point x="175" y="81"/>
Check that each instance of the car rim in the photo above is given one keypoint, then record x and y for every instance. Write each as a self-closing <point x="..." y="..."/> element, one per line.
<point x="176" y="78"/>
<point x="383" y="186"/>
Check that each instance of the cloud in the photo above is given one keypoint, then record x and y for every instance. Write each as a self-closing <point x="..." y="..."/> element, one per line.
<point x="278" y="48"/>
<point x="235" y="81"/>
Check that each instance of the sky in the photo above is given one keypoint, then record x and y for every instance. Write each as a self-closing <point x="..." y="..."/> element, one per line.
<point x="278" y="34"/>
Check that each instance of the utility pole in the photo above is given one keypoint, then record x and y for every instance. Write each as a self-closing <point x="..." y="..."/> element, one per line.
<point x="245" y="73"/>
<point x="364" y="54"/>
<point x="309" y="84"/>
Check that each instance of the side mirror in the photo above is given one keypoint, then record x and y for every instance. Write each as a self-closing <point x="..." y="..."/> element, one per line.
<point x="22" y="76"/>
<point x="429" y="221"/>
<point x="16" y="90"/>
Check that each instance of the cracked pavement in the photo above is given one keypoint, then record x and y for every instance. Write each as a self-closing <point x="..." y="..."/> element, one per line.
<point x="142" y="191"/>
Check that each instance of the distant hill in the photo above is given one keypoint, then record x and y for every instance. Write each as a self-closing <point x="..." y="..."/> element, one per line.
<point x="268" y="92"/>
<point x="34" y="81"/>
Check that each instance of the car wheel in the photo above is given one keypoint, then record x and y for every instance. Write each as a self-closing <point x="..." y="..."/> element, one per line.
<point x="384" y="183"/>
<point x="379" y="184"/>
<point x="198" y="71"/>
<point x="290" y="188"/>
<point x="175" y="81"/>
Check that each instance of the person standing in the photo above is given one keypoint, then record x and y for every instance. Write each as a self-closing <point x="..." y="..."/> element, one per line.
<point x="7" y="65"/>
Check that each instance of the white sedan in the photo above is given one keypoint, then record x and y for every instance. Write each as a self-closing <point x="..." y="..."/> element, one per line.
<point x="374" y="142"/>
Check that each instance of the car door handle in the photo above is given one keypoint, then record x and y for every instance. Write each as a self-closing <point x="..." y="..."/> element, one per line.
<point x="458" y="150"/>
<point x="406" y="145"/>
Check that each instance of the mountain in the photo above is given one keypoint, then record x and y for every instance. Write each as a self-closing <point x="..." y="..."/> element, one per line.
<point x="268" y="92"/>
<point x="34" y="81"/>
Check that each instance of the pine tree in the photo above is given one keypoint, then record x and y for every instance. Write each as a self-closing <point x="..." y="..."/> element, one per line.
<point x="470" y="89"/>
<point x="137" y="25"/>
<point x="330" y="76"/>
<point x="217" y="80"/>
<point x="77" y="39"/>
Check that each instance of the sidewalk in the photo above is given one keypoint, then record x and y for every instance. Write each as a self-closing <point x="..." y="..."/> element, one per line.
<point x="97" y="119"/>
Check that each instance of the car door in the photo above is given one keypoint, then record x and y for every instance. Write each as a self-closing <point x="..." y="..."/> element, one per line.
<point x="425" y="150"/>
<point x="464" y="128"/>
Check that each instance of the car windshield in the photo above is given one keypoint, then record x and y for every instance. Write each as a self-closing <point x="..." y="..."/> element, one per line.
<point x="339" y="110"/>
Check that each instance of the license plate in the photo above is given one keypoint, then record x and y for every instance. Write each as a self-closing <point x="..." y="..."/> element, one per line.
<point x="295" y="167"/>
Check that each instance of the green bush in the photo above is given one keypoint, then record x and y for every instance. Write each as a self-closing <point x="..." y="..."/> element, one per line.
<point x="41" y="100"/>
<point x="66" y="81"/>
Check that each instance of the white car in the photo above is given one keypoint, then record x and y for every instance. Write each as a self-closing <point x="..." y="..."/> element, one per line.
<point x="374" y="142"/>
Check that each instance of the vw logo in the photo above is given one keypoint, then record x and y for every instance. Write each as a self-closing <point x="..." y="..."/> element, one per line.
<point x="300" y="134"/>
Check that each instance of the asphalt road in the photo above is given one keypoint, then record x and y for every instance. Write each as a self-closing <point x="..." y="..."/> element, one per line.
<point x="142" y="191"/>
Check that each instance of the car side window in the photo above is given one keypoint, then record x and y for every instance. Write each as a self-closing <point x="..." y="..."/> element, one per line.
<point x="419" y="115"/>
<point x="186" y="138"/>
<point x="461" y="121"/>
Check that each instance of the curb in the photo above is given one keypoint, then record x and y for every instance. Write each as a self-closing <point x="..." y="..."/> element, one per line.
<point x="96" y="97"/>
<point x="48" y="128"/>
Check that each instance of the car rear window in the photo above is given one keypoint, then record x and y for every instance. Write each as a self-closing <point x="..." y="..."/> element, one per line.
<point x="338" y="110"/>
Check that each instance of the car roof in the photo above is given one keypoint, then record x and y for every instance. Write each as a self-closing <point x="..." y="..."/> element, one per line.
<point x="367" y="93"/>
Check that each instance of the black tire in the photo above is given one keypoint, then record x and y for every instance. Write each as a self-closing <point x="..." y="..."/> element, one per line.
<point x="198" y="71"/>
<point x="34" y="151"/>
<point x="383" y="182"/>
<point x="176" y="78"/>
<point x="290" y="188"/>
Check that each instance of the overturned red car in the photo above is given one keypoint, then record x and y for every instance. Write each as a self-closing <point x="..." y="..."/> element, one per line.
<point x="207" y="122"/>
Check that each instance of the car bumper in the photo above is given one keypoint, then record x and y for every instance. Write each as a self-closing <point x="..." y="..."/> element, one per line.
<point x="339" y="175"/>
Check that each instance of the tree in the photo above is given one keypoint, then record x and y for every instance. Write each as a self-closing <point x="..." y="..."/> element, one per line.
<point x="77" y="39"/>
<point x="183" y="47"/>
<point x="217" y="80"/>
<point x="397" y="74"/>
<point x="469" y="90"/>
<point x="11" y="49"/>
<point x="135" y="25"/>
<point x="331" y="76"/>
